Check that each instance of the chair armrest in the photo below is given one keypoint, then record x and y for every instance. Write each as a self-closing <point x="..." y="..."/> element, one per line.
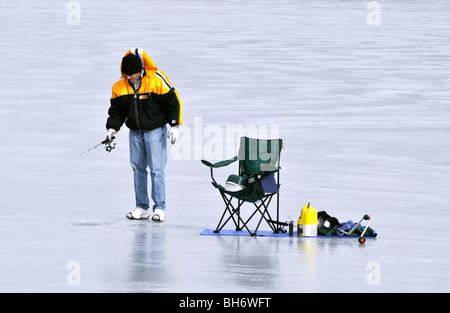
<point x="220" y="163"/>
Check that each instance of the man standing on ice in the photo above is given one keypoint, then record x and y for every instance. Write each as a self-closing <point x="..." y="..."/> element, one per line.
<point x="145" y="101"/>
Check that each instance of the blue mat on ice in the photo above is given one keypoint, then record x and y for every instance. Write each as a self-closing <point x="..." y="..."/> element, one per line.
<point x="263" y="233"/>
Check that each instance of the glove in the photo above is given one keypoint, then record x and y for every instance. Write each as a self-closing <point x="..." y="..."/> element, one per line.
<point x="109" y="136"/>
<point x="173" y="132"/>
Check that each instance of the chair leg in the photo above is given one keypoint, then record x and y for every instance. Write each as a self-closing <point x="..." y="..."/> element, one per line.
<point x="238" y="212"/>
<point x="227" y="209"/>
<point x="239" y="223"/>
<point x="231" y="211"/>
<point x="269" y="217"/>
<point x="265" y="204"/>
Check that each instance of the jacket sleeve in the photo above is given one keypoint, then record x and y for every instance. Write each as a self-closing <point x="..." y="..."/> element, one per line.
<point x="117" y="113"/>
<point x="169" y="100"/>
<point x="173" y="108"/>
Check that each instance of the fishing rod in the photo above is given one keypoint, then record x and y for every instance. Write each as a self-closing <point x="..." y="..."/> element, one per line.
<point x="109" y="145"/>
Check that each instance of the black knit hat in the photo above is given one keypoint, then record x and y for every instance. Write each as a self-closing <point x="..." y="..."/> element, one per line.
<point x="131" y="64"/>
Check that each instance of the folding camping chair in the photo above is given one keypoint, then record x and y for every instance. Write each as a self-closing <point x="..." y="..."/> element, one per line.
<point x="258" y="181"/>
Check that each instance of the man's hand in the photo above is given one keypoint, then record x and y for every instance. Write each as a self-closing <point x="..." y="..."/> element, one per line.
<point x="109" y="136"/>
<point x="173" y="132"/>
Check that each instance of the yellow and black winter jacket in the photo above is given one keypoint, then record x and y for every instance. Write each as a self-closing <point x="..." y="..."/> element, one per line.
<point x="155" y="103"/>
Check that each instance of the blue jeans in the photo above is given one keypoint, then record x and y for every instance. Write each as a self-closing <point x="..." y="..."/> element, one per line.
<point x="148" y="148"/>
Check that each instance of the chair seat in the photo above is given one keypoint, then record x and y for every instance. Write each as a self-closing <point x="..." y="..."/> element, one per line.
<point x="248" y="194"/>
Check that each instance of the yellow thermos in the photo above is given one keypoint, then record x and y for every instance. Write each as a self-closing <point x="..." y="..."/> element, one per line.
<point x="307" y="223"/>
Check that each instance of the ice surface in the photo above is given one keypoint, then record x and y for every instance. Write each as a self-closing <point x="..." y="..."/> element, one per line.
<point x="363" y="109"/>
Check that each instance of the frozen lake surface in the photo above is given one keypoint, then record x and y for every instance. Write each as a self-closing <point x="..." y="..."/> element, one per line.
<point x="364" y="111"/>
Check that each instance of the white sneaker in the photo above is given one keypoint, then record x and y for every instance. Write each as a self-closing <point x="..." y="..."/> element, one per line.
<point x="138" y="214"/>
<point x="159" y="215"/>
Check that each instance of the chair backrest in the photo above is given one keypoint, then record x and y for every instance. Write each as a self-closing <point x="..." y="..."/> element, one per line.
<point x="259" y="155"/>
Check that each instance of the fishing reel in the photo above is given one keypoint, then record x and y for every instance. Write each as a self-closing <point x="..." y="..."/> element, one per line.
<point x="110" y="146"/>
